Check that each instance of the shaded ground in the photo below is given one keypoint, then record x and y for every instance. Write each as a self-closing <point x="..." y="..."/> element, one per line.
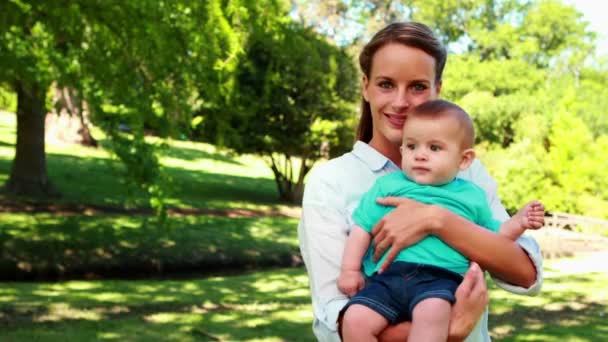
<point x="89" y="210"/>
<point x="555" y="243"/>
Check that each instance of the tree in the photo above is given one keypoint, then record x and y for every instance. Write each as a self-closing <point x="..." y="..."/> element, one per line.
<point x="123" y="58"/>
<point x="294" y="99"/>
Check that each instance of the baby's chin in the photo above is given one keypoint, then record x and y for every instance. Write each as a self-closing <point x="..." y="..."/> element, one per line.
<point x="426" y="180"/>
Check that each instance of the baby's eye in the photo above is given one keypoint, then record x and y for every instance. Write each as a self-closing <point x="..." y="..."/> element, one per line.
<point x="435" y="148"/>
<point x="410" y="146"/>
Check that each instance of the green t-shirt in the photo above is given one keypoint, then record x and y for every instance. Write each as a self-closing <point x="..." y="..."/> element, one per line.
<point x="460" y="196"/>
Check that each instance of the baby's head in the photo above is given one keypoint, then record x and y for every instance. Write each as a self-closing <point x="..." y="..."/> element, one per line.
<point x="438" y="139"/>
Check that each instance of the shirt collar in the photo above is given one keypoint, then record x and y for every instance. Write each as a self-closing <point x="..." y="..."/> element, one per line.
<point x="375" y="160"/>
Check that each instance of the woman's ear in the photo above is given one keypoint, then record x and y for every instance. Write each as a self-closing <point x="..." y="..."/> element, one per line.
<point x="468" y="156"/>
<point x="364" y="84"/>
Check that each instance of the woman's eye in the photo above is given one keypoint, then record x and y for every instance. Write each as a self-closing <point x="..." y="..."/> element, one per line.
<point x="419" y="87"/>
<point x="385" y="85"/>
<point x="435" y="148"/>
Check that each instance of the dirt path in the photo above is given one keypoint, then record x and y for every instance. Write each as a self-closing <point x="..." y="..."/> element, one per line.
<point x="584" y="263"/>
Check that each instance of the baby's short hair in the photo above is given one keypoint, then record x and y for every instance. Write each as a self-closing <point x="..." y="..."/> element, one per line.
<point x="442" y="108"/>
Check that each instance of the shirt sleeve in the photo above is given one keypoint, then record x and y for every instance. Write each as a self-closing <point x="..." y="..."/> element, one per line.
<point x="480" y="176"/>
<point x="322" y="234"/>
<point x="365" y="215"/>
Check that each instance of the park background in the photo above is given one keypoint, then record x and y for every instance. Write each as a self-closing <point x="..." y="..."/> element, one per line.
<point x="153" y="156"/>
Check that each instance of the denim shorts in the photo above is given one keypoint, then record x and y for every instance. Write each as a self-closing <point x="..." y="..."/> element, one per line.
<point x="394" y="293"/>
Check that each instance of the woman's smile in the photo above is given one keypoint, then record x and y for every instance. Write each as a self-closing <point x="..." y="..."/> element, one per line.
<point x="395" y="120"/>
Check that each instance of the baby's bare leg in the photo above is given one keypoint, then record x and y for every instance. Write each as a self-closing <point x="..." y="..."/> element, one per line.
<point x="430" y="321"/>
<point x="361" y="323"/>
<point x="531" y="216"/>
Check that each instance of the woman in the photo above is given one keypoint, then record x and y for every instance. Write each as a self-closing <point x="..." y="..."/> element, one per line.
<point x="402" y="67"/>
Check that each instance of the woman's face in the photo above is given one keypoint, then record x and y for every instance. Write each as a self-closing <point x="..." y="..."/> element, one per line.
<point x="401" y="77"/>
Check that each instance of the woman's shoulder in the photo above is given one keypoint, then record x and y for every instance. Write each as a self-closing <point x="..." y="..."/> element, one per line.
<point x="334" y="170"/>
<point x="478" y="174"/>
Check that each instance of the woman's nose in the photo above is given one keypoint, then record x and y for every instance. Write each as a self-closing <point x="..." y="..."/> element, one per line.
<point x="400" y="101"/>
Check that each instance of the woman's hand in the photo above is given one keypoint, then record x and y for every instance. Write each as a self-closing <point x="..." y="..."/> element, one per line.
<point x="471" y="301"/>
<point x="409" y="223"/>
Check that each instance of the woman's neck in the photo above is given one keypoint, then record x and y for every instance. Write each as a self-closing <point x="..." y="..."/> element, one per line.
<point x="388" y="149"/>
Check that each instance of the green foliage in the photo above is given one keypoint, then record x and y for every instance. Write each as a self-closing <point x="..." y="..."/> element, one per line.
<point x="466" y="73"/>
<point x="8" y="100"/>
<point x="283" y="94"/>
<point x="295" y="94"/>
<point x="139" y="57"/>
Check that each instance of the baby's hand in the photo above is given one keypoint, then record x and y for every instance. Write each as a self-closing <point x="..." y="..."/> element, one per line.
<point x="350" y="282"/>
<point x="532" y="215"/>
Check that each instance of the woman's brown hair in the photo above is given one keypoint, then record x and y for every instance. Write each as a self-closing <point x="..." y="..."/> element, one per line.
<point x="412" y="34"/>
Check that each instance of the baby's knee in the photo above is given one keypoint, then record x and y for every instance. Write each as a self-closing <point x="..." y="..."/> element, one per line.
<point x="355" y="317"/>
<point x="360" y="323"/>
<point x="432" y="309"/>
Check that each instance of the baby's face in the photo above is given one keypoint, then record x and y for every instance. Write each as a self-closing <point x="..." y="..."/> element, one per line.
<point x="432" y="150"/>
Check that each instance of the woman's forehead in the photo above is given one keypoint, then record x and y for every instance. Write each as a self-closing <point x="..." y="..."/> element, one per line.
<point x="399" y="61"/>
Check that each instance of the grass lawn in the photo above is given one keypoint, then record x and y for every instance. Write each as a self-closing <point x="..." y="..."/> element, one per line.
<point x="272" y="305"/>
<point x="36" y="245"/>
<point x="203" y="177"/>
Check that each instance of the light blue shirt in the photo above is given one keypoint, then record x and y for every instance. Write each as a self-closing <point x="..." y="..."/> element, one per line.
<point x="332" y="193"/>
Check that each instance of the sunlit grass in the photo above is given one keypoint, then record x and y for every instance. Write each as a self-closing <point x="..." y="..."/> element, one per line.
<point x="264" y="306"/>
<point x="201" y="175"/>
<point x="231" y="308"/>
<point x="572" y="306"/>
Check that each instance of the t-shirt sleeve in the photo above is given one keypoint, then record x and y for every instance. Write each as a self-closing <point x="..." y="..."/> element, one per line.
<point x="368" y="211"/>
<point x="492" y="224"/>
<point x="486" y="218"/>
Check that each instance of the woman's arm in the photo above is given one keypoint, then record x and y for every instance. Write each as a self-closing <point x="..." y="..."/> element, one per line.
<point x="322" y="234"/>
<point x="497" y="254"/>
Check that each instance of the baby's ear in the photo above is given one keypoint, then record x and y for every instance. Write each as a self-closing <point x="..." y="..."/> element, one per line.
<point x="468" y="156"/>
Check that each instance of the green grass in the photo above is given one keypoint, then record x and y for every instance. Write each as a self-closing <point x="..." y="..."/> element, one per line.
<point x="264" y="306"/>
<point x="202" y="175"/>
<point x="52" y="245"/>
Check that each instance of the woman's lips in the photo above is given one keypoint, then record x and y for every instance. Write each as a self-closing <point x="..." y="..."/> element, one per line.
<point x="396" y="121"/>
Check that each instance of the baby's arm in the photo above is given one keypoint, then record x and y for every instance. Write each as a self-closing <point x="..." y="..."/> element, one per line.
<point x="351" y="280"/>
<point x="531" y="216"/>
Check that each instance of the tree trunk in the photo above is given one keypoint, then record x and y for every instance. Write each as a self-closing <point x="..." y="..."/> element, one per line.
<point x="69" y="122"/>
<point x="28" y="173"/>
<point x="290" y="190"/>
